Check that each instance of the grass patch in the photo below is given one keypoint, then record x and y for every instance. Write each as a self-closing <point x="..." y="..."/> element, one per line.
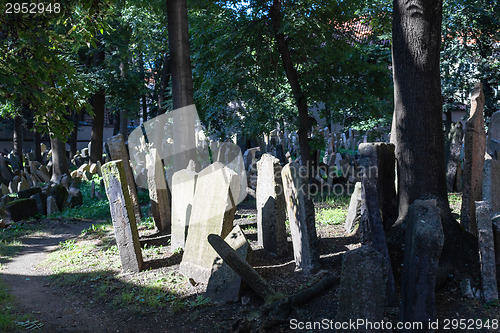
<point x="331" y="216"/>
<point x="455" y="200"/>
<point x="7" y="319"/>
<point x="91" y="265"/>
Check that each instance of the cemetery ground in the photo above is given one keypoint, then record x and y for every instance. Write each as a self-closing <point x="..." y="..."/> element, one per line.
<point x="62" y="273"/>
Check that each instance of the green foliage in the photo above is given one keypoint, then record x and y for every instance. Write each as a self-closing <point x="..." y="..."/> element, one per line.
<point x="7" y="320"/>
<point x="331" y="216"/>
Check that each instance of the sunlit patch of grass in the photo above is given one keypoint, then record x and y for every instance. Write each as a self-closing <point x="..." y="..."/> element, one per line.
<point x="331" y="215"/>
<point x="455" y="200"/>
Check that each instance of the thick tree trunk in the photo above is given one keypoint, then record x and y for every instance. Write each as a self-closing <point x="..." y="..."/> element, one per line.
<point x="18" y="136"/>
<point x="293" y="80"/>
<point x="418" y="125"/>
<point x="182" y="82"/>
<point x="59" y="159"/>
<point x="143" y="96"/>
<point x="98" y="103"/>
<point x="164" y="80"/>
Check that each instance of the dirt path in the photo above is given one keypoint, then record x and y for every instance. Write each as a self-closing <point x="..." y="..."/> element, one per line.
<point x="34" y="293"/>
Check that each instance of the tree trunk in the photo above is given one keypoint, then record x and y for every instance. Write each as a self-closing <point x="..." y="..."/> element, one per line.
<point x="36" y="142"/>
<point x="182" y="82"/>
<point x="18" y="136"/>
<point x="165" y="78"/>
<point x="418" y="127"/>
<point x="123" y="111"/>
<point x="59" y="160"/>
<point x="98" y="103"/>
<point x="293" y="80"/>
<point x="143" y="95"/>
<point x="73" y="144"/>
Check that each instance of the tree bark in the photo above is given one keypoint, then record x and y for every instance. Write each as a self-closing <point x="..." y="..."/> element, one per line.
<point x="73" y="144"/>
<point x="164" y="80"/>
<point x="59" y="159"/>
<point x="123" y="111"/>
<point x="182" y="82"/>
<point x="18" y="136"/>
<point x="143" y="95"/>
<point x="417" y="120"/>
<point x="98" y="103"/>
<point x="293" y="80"/>
<point x="36" y="142"/>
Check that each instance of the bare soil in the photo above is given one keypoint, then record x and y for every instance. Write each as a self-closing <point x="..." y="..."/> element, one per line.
<point x="72" y="308"/>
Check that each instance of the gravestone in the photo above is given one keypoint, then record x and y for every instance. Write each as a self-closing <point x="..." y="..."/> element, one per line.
<point x="493" y="131"/>
<point x="491" y="183"/>
<point x="23" y="185"/>
<point x="118" y="151"/>
<point x="5" y="173"/>
<point x="18" y="210"/>
<point x="212" y="213"/>
<point x="456" y="139"/>
<point x="75" y="197"/>
<point x="486" y="251"/>
<point x="271" y="215"/>
<point x="300" y="211"/>
<point x="51" y="205"/>
<point x="42" y="175"/>
<point x="158" y="192"/>
<point x="378" y="162"/>
<point x="354" y="211"/>
<point x="423" y="244"/>
<point x="183" y="188"/>
<point x="5" y="189"/>
<point x="40" y="207"/>
<point x="362" y="286"/>
<point x="122" y="215"/>
<point x="474" y="147"/>
<point x="224" y="284"/>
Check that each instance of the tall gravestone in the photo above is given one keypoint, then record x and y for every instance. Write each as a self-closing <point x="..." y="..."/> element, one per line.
<point x="300" y="211"/>
<point x="491" y="182"/>
<point x="486" y="251"/>
<point x="354" y="211"/>
<point x="158" y="192"/>
<point x="456" y="139"/>
<point x="183" y="188"/>
<point x="423" y="244"/>
<point x="474" y="149"/>
<point x="122" y="215"/>
<point x="212" y="213"/>
<point x="379" y="164"/>
<point x="271" y="214"/>
<point x="118" y="151"/>
<point x="493" y="134"/>
<point x="362" y="286"/>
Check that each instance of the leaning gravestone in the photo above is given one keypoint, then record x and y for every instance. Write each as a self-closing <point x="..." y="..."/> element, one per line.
<point x="118" y="151"/>
<point x="183" y="188"/>
<point x="122" y="215"/>
<point x="224" y="284"/>
<point x="271" y="215"/>
<point x="354" y="211"/>
<point x="301" y="216"/>
<point x="158" y="192"/>
<point x="212" y="213"/>
<point x="424" y="242"/>
<point x="486" y="251"/>
<point x="362" y="286"/>
<point x="475" y="146"/>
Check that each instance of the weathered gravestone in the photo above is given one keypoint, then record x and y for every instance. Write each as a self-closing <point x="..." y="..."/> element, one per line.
<point x="456" y="138"/>
<point x="23" y="185"/>
<point x="183" y="188"/>
<point x="301" y="216"/>
<point x="486" y="251"/>
<point x="212" y="213"/>
<point x="224" y="284"/>
<point x="118" y="151"/>
<point x="354" y="211"/>
<point x="423" y="244"/>
<point x="122" y="215"/>
<point x="51" y="205"/>
<point x="271" y="215"/>
<point x="474" y="149"/>
<point x="493" y="133"/>
<point x="362" y="286"/>
<point x="491" y="183"/>
<point x="158" y="192"/>
<point x="19" y="209"/>
<point x="378" y="163"/>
